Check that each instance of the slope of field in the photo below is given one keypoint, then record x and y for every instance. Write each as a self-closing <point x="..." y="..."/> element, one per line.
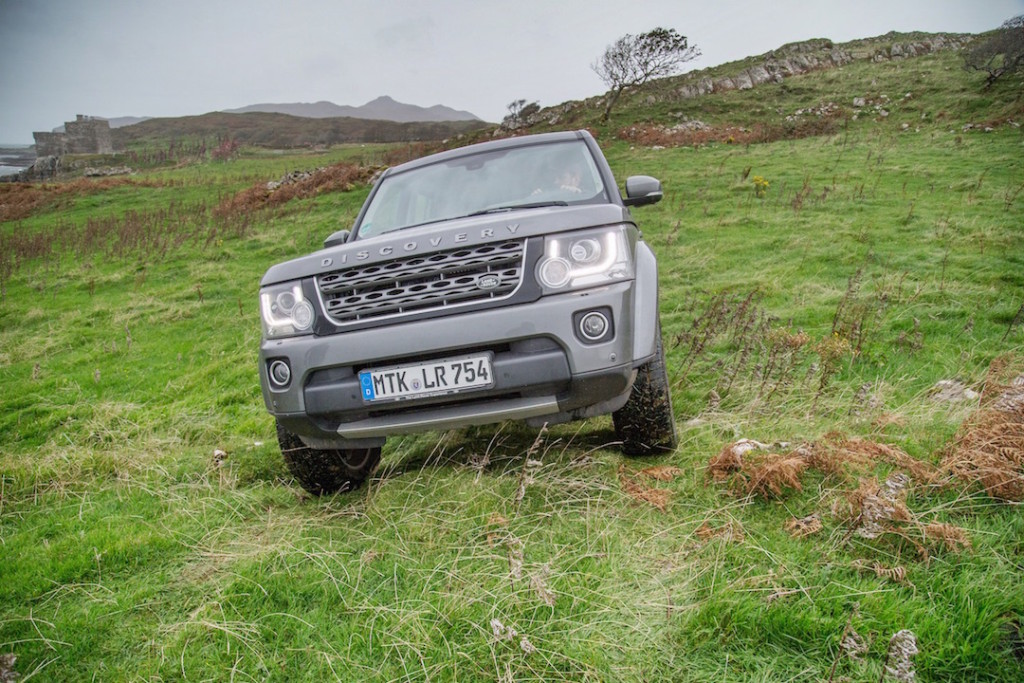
<point x="285" y="131"/>
<point x="850" y="300"/>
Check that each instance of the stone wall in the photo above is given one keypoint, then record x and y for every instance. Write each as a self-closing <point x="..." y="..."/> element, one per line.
<point x="84" y="135"/>
<point x="49" y="144"/>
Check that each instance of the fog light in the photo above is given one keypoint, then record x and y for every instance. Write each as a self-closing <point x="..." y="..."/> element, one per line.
<point x="280" y="373"/>
<point x="593" y="325"/>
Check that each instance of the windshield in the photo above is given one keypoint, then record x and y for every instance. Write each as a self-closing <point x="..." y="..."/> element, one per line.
<point x="551" y="174"/>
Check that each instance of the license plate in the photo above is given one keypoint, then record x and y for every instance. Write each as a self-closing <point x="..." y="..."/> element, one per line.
<point x="435" y="378"/>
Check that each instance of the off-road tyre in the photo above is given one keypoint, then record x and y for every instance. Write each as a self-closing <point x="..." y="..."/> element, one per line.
<point x="646" y="424"/>
<point x="324" y="472"/>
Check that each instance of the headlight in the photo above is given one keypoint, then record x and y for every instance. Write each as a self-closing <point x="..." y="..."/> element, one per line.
<point x="285" y="311"/>
<point x="588" y="258"/>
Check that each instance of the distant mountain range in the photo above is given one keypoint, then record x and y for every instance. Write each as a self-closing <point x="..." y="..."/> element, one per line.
<point x="381" y="109"/>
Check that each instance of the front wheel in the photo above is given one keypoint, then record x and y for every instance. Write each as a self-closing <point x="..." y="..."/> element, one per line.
<point x="326" y="471"/>
<point x="646" y="424"/>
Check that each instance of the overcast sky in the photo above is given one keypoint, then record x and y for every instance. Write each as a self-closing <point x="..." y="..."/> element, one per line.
<point x="113" y="58"/>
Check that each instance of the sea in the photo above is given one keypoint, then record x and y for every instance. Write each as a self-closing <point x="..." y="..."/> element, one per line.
<point x="14" y="158"/>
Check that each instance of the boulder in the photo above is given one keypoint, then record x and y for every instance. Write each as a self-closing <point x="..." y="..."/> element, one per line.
<point x="758" y="75"/>
<point x="44" y="168"/>
<point x="952" y="391"/>
<point x="743" y="81"/>
<point x="724" y="84"/>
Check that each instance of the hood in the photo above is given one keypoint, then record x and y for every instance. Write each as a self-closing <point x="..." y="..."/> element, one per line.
<point x="426" y="239"/>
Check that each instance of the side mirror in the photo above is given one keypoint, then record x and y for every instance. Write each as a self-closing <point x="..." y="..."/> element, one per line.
<point x="337" y="238"/>
<point x="641" y="190"/>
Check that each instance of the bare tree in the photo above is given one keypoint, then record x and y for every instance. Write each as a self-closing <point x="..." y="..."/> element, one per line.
<point x="632" y="60"/>
<point x="518" y="112"/>
<point x="1001" y="53"/>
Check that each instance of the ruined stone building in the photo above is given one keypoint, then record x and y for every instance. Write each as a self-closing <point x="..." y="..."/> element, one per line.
<point x="84" y="135"/>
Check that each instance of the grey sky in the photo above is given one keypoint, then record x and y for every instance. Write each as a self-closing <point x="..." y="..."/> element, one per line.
<point x="158" y="58"/>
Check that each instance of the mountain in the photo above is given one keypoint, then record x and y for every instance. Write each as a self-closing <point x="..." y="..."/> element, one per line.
<point x="381" y="109"/>
<point x="121" y="121"/>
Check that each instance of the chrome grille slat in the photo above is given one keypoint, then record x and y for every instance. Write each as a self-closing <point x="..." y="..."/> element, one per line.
<point x="421" y="283"/>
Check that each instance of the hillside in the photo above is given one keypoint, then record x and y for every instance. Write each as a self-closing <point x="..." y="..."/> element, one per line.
<point x="842" y="307"/>
<point x="282" y="131"/>
<point x="912" y="78"/>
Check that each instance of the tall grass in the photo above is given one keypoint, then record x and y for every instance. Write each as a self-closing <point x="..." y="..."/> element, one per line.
<point x="149" y="530"/>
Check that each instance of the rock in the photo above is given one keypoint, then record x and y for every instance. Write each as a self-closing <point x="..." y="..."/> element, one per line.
<point x="7" y="672"/>
<point x="758" y="75"/>
<point x="44" y="168"/>
<point x="952" y="391"/>
<point x="1011" y="400"/>
<point x="841" y="57"/>
<point x="743" y="81"/>
<point x="724" y="84"/>
<point x="787" y="67"/>
<point x="104" y="172"/>
<point x="859" y="102"/>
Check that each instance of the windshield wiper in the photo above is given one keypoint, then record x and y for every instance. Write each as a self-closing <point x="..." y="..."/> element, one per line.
<point x="516" y="207"/>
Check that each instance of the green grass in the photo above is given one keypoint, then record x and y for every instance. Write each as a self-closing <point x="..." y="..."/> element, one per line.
<point x="127" y="553"/>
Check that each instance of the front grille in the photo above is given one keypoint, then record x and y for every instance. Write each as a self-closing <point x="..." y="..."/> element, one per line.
<point x="422" y="283"/>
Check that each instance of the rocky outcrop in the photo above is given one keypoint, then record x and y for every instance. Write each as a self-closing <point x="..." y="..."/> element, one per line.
<point x="919" y="47"/>
<point x="787" y="61"/>
<point x="44" y="168"/>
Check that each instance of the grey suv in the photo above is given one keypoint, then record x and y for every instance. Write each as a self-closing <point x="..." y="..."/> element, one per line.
<point x="500" y="281"/>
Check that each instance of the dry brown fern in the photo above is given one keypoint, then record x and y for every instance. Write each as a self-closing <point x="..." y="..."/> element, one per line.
<point x="661" y="472"/>
<point x="953" y="538"/>
<point x="731" y="531"/>
<point x="659" y="498"/>
<point x="989" y="448"/>
<point x="772" y="474"/>
<point x="806" y="526"/>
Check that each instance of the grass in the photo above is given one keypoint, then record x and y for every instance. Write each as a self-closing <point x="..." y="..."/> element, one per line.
<point x="876" y="262"/>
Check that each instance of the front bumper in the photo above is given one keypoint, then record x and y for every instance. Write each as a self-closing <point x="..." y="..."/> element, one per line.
<point x="543" y="371"/>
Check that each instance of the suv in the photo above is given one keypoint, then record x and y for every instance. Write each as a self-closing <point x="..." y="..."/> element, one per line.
<point x="500" y="281"/>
